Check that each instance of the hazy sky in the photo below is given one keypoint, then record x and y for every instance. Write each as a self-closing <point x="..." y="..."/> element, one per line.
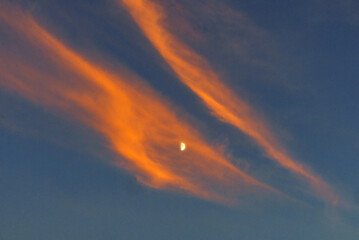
<point x="97" y="96"/>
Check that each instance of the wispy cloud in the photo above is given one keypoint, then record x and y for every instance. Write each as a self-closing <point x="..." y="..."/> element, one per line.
<point x="195" y="72"/>
<point x="138" y="124"/>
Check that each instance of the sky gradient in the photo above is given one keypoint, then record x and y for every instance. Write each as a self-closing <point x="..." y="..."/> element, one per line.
<point x="97" y="96"/>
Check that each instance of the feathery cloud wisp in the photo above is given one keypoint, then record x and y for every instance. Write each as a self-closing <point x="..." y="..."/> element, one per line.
<point x="137" y="123"/>
<point x="195" y="72"/>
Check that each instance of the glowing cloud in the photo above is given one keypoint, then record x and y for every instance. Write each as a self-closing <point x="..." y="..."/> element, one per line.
<point x="136" y="122"/>
<point x="195" y="72"/>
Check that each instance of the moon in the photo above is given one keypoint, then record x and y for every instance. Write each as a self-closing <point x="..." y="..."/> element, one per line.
<point x="182" y="146"/>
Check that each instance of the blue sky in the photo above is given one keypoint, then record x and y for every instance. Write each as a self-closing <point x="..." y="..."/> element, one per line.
<point x="294" y="63"/>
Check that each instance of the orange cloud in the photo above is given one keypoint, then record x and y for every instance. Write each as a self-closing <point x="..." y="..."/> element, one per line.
<point x="136" y="122"/>
<point x="195" y="72"/>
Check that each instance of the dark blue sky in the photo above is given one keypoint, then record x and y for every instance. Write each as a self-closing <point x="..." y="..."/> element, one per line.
<point x="294" y="62"/>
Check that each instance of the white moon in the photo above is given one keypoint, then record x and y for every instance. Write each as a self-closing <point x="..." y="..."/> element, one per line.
<point x="182" y="146"/>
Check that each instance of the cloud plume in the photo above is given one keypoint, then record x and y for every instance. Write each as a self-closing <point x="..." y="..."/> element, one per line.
<point x="137" y="123"/>
<point x="195" y="72"/>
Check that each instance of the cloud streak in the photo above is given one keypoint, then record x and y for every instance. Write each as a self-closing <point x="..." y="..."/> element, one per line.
<point x="195" y="72"/>
<point x="136" y="122"/>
